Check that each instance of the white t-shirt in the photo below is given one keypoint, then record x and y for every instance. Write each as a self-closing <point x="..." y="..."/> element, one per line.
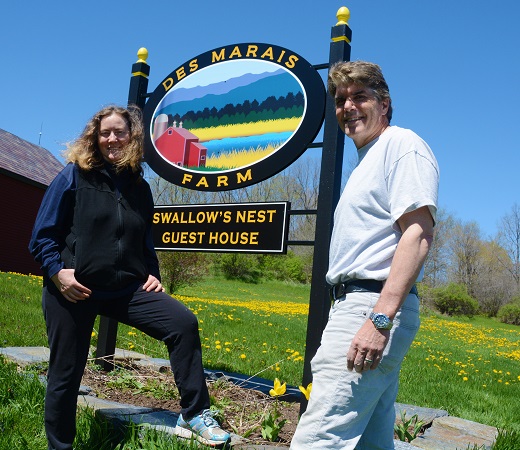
<point x="396" y="173"/>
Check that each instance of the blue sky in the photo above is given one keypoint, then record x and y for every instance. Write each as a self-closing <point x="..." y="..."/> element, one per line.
<point x="452" y="67"/>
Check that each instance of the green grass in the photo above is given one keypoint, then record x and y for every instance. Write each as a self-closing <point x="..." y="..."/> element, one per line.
<point x="21" y="318"/>
<point x="21" y="409"/>
<point x="469" y="367"/>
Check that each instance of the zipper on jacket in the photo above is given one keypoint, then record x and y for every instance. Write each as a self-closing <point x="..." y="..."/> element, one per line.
<point x="120" y="235"/>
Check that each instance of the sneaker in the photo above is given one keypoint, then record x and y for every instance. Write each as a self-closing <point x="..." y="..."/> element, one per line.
<point x="202" y="427"/>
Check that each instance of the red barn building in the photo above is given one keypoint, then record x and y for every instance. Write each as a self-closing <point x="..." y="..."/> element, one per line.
<point x="25" y="172"/>
<point x="181" y="147"/>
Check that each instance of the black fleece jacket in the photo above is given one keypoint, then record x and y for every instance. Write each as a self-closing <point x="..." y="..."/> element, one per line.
<point x="98" y="223"/>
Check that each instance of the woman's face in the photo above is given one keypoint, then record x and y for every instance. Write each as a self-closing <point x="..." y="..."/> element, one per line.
<point x="113" y="137"/>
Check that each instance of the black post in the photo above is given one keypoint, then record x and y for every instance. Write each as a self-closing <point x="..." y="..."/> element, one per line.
<point x="106" y="345"/>
<point x="139" y="81"/>
<point x="328" y="197"/>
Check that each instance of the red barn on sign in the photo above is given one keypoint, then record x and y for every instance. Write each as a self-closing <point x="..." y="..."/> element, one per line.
<point x="181" y="147"/>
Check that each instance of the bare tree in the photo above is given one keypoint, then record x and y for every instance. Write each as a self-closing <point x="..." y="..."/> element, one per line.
<point x="509" y="238"/>
<point x="493" y="287"/>
<point x="437" y="264"/>
<point x="465" y="245"/>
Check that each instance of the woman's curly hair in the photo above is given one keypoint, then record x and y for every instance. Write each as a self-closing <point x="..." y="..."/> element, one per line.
<point x="84" y="151"/>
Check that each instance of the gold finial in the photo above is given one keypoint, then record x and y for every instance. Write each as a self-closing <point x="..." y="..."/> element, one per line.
<point x="142" y="53"/>
<point x="343" y="15"/>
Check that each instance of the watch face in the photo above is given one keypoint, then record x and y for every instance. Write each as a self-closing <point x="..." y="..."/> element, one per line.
<point x="381" y="321"/>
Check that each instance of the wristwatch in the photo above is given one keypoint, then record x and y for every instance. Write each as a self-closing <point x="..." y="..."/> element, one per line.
<point x="381" y="321"/>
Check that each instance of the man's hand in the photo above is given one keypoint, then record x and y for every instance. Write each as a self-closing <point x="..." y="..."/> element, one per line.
<point x="367" y="348"/>
<point x="69" y="287"/>
<point x="153" y="284"/>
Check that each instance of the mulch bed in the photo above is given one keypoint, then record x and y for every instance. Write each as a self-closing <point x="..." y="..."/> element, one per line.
<point x="242" y="409"/>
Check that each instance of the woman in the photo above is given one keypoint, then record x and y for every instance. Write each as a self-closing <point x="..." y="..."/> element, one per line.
<point x="93" y="239"/>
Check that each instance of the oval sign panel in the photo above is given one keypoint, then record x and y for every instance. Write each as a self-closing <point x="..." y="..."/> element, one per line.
<point x="233" y="116"/>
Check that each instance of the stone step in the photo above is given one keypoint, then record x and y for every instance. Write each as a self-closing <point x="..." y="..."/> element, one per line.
<point x="452" y="433"/>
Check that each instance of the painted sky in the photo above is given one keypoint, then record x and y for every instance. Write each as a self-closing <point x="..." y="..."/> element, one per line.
<point x="452" y="67"/>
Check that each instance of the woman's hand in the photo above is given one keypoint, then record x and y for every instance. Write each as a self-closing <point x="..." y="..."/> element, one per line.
<point x="153" y="284"/>
<point x="69" y="287"/>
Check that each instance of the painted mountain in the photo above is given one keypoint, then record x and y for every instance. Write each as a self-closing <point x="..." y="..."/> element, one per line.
<point x="181" y="94"/>
<point x="235" y="91"/>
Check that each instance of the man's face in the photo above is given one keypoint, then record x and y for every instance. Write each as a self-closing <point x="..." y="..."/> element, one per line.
<point x="361" y="116"/>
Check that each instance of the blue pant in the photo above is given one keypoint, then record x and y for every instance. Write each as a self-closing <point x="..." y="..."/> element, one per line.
<point x="69" y="329"/>
<point x="349" y="410"/>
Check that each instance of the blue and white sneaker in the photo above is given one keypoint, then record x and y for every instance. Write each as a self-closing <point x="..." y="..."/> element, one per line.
<point x="204" y="428"/>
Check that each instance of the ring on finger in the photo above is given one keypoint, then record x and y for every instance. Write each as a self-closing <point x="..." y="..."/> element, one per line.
<point x="369" y="361"/>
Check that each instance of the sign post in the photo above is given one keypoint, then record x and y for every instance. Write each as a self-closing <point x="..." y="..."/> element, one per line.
<point x="106" y="345"/>
<point x="328" y="197"/>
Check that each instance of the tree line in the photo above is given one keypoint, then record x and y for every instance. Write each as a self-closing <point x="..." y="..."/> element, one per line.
<point x="272" y="108"/>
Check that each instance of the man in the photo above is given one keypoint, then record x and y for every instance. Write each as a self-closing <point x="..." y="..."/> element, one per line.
<point x="383" y="229"/>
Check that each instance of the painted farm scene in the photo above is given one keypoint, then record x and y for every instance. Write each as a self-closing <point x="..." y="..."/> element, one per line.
<point x="228" y="115"/>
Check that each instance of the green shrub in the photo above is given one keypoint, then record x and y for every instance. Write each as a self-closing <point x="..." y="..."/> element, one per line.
<point x="237" y="266"/>
<point x="510" y="314"/>
<point x="294" y="269"/>
<point x="288" y="267"/>
<point x="454" y="300"/>
<point x="181" y="269"/>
